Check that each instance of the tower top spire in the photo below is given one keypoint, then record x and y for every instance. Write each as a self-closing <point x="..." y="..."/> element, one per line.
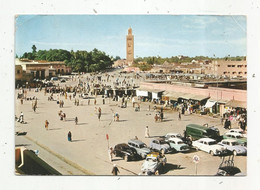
<point x="130" y="30"/>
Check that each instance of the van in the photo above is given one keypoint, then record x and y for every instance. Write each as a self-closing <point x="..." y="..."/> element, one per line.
<point x="198" y="131"/>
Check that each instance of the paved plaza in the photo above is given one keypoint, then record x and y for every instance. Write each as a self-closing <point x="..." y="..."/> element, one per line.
<point x="87" y="154"/>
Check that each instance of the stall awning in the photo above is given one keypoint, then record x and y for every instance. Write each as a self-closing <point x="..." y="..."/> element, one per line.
<point x="141" y="92"/>
<point x="219" y="101"/>
<point x="236" y="104"/>
<point x="210" y="103"/>
<point x="173" y="95"/>
<point x="198" y="97"/>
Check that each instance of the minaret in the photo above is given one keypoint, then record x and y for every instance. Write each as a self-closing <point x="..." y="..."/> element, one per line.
<point x="130" y="47"/>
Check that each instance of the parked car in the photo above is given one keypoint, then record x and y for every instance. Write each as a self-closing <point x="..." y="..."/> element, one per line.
<point x="178" y="145"/>
<point x="160" y="145"/>
<point x="153" y="163"/>
<point x="238" y="131"/>
<point x="209" y="145"/>
<point x="140" y="147"/>
<point x="236" y="136"/>
<point x="54" y="78"/>
<point x="172" y="135"/>
<point x="198" y="131"/>
<point x="126" y="152"/>
<point x="233" y="146"/>
<point x="228" y="171"/>
<point x="62" y="80"/>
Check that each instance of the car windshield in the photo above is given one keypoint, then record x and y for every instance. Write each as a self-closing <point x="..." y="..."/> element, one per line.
<point x="162" y="142"/>
<point x="143" y="146"/>
<point x="234" y="143"/>
<point x="180" y="142"/>
<point x="239" y="137"/>
<point x="212" y="143"/>
<point x="151" y="160"/>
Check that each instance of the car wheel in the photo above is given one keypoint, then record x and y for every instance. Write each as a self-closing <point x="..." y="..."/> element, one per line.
<point x="157" y="172"/>
<point x="126" y="158"/>
<point x="212" y="153"/>
<point x="234" y="152"/>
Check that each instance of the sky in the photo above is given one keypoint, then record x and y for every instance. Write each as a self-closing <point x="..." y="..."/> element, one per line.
<point x="154" y="35"/>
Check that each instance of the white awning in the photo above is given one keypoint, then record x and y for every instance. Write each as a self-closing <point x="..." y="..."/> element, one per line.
<point x="209" y="104"/>
<point x="141" y="93"/>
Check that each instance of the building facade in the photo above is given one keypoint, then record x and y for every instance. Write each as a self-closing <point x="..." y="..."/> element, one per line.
<point x="130" y="47"/>
<point x="42" y="69"/>
<point x="227" y="68"/>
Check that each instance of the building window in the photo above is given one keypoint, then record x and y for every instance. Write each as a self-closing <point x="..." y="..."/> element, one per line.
<point x="245" y="65"/>
<point x="229" y="65"/>
<point x="233" y="73"/>
<point x="18" y="71"/>
<point x="233" y="65"/>
<point x="218" y="65"/>
<point x="245" y="73"/>
<point x="239" y="65"/>
<point x="240" y="72"/>
<point x="224" y="73"/>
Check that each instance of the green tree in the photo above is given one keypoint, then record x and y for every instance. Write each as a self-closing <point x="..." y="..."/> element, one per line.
<point x="34" y="49"/>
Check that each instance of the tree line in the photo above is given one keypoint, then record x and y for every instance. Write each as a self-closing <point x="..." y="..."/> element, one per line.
<point x="183" y="59"/>
<point x="79" y="61"/>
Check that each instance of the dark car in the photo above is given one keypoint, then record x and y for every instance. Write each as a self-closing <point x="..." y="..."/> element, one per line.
<point x="228" y="171"/>
<point x="126" y="152"/>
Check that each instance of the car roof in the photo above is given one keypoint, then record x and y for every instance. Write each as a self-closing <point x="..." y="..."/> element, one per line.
<point x="175" y="139"/>
<point x="136" y="141"/>
<point x="235" y="134"/>
<point x="153" y="154"/>
<point x="229" y="140"/>
<point x="206" y="139"/>
<point x="160" y="139"/>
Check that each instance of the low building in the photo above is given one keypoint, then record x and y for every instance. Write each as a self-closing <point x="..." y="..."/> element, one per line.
<point x="120" y="63"/>
<point x="42" y="69"/>
<point x="227" y="68"/>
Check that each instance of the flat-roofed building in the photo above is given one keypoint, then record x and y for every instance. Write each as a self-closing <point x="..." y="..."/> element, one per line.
<point x="43" y="69"/>
<point x="227" y="68"/>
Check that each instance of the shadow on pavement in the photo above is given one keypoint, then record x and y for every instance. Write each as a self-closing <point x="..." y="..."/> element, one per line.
<point x="82" y="123"/>
<point x="55" y="129"/>
<point x="78" y="140"/>
<point x="121" y="121"/>
<point x="21" y="133"/>
<point x="165" y="120"/>
<point x="168" y="167"/>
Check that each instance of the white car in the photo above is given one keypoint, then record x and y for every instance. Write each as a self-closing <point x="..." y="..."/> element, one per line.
<point x="153" y="163"/>
<point x="178" y="145"/>
<point x="240" y="131"/>
<point x="172" y="135"/>
<point x="234" y="146"/>
<point x="209" y="145"/>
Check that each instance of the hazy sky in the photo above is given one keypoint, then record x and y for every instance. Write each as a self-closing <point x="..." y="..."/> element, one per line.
<point x="154" y="35"/>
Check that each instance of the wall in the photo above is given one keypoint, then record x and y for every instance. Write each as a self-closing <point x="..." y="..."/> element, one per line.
<point x="216" y="93"/>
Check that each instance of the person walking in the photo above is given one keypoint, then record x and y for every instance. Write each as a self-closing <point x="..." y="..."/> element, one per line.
<point x="76" y="120"/>
<point x="156" y="118"/>
<point x="69" y="136"/>
<point x="110" y="154"/>
<point x="95" y="102"/>
<point x="179" y="115"/>
<point x="99" y="113"/>
<point x="46" y="125"/>
<point x="115" y="170"/>
<point x="146" y="134"/>
<point x="88" y="101"/>
<point x="64" y="116"/>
